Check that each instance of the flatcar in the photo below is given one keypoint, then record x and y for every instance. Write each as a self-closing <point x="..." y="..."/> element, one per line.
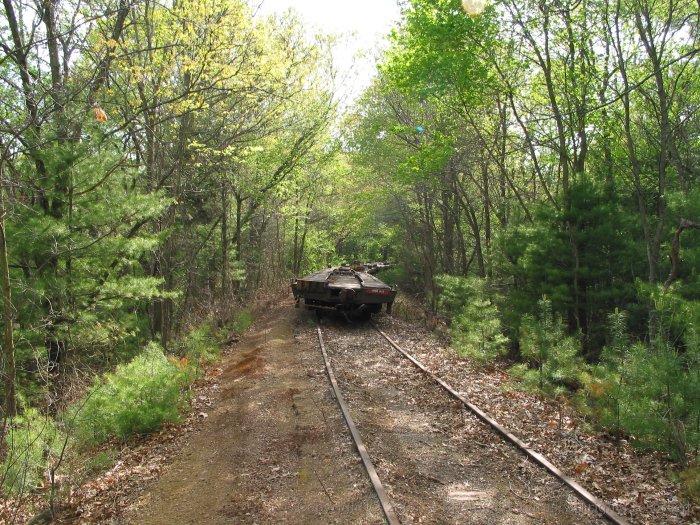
<point x="345" y="289"/>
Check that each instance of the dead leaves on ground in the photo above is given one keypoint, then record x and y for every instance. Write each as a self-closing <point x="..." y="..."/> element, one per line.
<point x="637" y="484"/>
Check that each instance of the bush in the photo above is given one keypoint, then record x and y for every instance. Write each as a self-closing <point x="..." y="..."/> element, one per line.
<point x="33" y="442"/>
<point x="553" y="364"/>
<point x="396" y="276"/>
<point x="476" y="328"/>
<point x="100" y="462"/>
<point x="244" y="318"/>
<point x="137" y="398"/>
<point x="198" y="346"/>
<point x="650" y="391"/>
<point x="658" y="399"/>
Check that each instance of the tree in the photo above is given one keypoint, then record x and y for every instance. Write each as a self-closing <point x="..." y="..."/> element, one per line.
<point x="475" y="323"/>
<point x="9" y="372"/>
<point x="44" y="141"/>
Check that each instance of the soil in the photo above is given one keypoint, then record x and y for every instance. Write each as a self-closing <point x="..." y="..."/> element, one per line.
<point x="273" y="448"/>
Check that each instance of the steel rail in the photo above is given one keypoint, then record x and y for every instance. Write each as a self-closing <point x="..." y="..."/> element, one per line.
<point x="384" y="501"/>
<point x="581" y="492"/>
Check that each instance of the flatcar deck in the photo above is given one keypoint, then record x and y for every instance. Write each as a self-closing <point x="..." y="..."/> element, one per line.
<point x="343" y="289"/>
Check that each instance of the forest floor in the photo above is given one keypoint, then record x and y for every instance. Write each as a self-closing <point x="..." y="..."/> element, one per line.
<point x="265" y="443"/>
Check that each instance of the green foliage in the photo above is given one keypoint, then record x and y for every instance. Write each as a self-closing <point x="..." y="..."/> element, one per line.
<point x="457" y="292"/>
<point x="132" y="202"/>
<point x="553" y="364"/>
<point x="658" y="405"/>
<point x="102" y="461"/>
<point x="203" y="344"/>
<point x="487" y="141"/>
<point x="78" y="265"/>
<point x="198" y="346"/>
<point x="436" y="50"/>
<point x="650" y="391"/>
<point x="686" y="205"/>
<point x="396" y="276"/>
<point x="320" y="251"/>
<point x="243" y="320"/>
<point x="475" y="328"/>
<point x="580" y="259"/>
<point x="137" y="398"/>
<point x="605" y="385"/>
<point x="548" y="198"/>
<point x="33" y="443"/>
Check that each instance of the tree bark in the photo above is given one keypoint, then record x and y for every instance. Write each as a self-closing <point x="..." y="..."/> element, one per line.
<point x="685" y="224"/>
<point x="9" y="372"/>
<point x="224" y="242"/>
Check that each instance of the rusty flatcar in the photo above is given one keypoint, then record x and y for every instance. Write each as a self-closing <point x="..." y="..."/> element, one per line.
<point x="345" y="289"/>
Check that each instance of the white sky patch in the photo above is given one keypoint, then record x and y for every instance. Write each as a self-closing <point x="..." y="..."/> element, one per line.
<point x="364" y="23"/>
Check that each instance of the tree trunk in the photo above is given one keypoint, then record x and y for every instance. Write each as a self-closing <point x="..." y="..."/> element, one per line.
<point x="295" y="255"/>
<point x="224" y="243"/>
<point x="9" y="372"/>
<point x="473" y="222"/>
<point x="448" y="231"/>
<point x="487" y="218"/>
<point x="302" y="246"/>
<point x="647" y="33"/>
<point x="675" y="250"/>
<point x="239" y="226"/>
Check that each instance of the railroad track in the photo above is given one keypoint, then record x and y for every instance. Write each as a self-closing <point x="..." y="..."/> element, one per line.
<point x="581" y="493"/>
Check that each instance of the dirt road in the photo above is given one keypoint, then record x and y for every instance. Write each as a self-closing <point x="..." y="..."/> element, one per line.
<point x="273" y="449"/>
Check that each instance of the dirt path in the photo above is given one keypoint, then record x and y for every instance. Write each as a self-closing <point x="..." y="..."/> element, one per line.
<point x="273" y="449"/>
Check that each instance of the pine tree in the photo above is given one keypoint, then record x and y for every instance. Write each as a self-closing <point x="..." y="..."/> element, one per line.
<point x="475" y="325"/>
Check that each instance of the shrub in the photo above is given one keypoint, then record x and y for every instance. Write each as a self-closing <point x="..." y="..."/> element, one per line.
<point x="33" y="442"/>
<point x="394" y="276"/>
<point x="199" y="345"/>
<point x="606" y="385"/>
<point x="137" y="398"/>
<point x="553" y="364"/>
<point x="101" y="462"/>
<point x="658" y="399"/>
<point x="244" y="318"/>
<point x="650" y="391"/>
<point x="476" y="328"/>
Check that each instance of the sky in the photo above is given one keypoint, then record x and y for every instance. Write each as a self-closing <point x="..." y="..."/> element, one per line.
<point x="365" y="22"/>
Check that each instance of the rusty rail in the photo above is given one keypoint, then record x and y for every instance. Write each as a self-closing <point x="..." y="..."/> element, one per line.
<point x="384" y="501"/>
<point x="581" y="492"/>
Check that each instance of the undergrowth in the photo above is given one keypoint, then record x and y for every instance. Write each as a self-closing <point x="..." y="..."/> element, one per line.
<point x="690" y="478"/>
<point x="475" y="321"/>
<point x="552" y="364"/>
<point x="648" y="392"/>
<point x="199" y="347"/>
<point x="33" y="442"/>
<point x="149" y="391"/>
<point x="136" y="398"/>
<point x="241" y="322"/>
